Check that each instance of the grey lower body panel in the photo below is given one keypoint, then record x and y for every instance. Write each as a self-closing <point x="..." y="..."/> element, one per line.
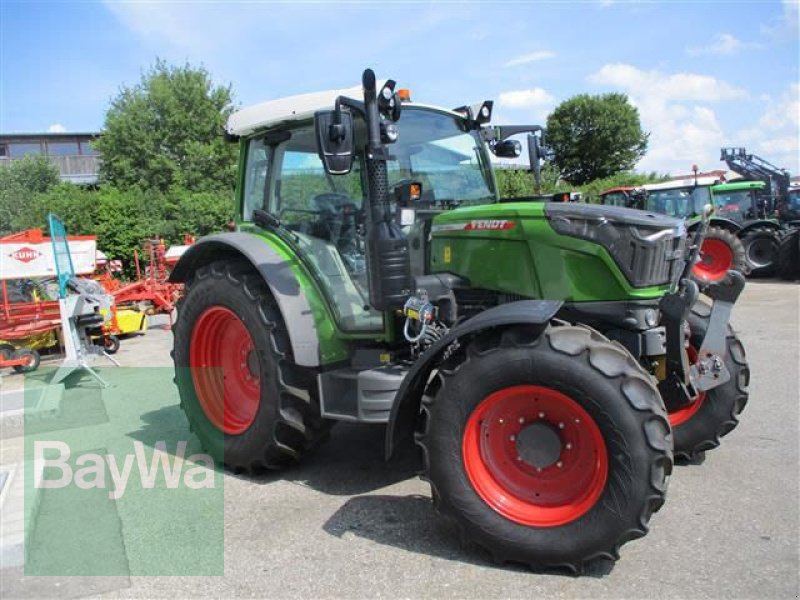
<point x="364" y="396"/>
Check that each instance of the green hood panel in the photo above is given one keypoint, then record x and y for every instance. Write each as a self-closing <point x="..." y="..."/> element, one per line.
<point x="511" y="248"/>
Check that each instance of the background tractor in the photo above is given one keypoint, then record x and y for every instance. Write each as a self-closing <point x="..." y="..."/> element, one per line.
<point x="546" y="357"/>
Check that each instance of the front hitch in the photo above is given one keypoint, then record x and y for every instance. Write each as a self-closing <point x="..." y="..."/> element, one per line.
<point x="683" y="382"/>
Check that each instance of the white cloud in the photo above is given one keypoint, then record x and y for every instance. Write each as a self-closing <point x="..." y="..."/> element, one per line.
<point x="776" y="134"/>
<point x="56" y="128"/>
<point x="533" y="98"/>
<point x="677" y="86"/>
<point x="786" y="25"/>
<point x="723" y="44"/>
<point x="674" y="108"/>
<point x="530" y="58"/>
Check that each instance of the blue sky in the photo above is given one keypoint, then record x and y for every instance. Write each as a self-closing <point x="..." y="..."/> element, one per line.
<point x="703" y="74"/>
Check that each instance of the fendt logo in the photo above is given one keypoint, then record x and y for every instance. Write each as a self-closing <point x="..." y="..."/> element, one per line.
<point x="490" y="224"/>
<point x="25" y="254"/>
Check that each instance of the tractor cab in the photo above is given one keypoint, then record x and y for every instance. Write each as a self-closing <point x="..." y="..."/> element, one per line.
<point x="440" y="161"/>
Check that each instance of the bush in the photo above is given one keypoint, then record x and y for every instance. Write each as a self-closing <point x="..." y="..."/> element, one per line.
<point x="123" y="219"/>
<point x="20" y="180"/>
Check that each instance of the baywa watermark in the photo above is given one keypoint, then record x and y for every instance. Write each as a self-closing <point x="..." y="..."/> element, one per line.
<point x="90" y="468"/>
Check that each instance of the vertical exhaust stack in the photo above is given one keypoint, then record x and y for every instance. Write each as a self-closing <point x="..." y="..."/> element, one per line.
<point x="388" y="266"/>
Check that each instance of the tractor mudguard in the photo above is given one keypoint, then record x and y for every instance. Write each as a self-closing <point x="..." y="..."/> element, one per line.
<point x="761" y="223"/>
<point x="720" y="222"/>
<point x="406" y="405"/>
<point x="276" y="272"/>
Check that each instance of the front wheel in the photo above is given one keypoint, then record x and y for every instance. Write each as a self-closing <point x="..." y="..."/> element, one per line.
<point x="721" y="251"/>
<point x="699" y="426"/>
<point x="551" y="451"/>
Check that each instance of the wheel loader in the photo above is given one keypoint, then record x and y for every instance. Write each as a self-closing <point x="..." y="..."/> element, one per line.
<point x="548" y="359"/>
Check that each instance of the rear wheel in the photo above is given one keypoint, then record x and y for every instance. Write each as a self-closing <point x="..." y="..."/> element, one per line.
<point x="251" y="407"/>
<point x="111" y="344"/>
<point x="761" y="248"/>
<point x="699" y="426"/>
<point x="31" y="357"/>
<point x="789" y="256"/>
<point x="550" y="451"/>
<point x="721" y="251"/>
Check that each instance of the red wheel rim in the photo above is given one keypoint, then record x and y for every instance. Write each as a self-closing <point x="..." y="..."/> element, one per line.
<point x="716" y="259"/>
<point x="543" y="494"/>
<point x="683" y="414"/>
<point x="224" y="366"/>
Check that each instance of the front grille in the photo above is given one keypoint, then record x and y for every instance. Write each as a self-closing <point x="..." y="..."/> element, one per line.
<point x="649" y="262"/>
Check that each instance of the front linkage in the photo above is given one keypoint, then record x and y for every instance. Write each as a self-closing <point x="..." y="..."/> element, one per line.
<point x="685" y="382"/>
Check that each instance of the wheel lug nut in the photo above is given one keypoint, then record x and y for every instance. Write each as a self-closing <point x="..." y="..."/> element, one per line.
<point x="521" y="420"/>
<point x="561" y="425"/>
<point x="541" y="415"/>
<point x="500" y="421"/>
<point x="577" y="420"/>
<point x="559" y="464"/>
<point x="568" y="446"/>
<point x="538" y="469"/>
<point x="512" y="438"/>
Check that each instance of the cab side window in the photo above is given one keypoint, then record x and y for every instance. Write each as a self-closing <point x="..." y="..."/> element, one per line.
<point x="255" y="182"/>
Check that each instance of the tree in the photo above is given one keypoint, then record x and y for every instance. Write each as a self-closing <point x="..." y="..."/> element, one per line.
<point x="168" y="131"/>
<point x="593" y="137"/>
<point x="20" y="181"/>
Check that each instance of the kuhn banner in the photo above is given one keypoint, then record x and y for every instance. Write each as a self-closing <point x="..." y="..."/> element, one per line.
<point x="23" y="259"/>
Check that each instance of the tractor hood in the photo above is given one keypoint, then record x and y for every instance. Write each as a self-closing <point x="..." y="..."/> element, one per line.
<point x="561" y="251"/>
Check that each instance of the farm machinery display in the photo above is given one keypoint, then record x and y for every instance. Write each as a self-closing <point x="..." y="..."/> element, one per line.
<point x="548" y="358"/>
<point x="30" y="320"/>
<point x="151" y="292"/>
<point x="754" y="226"/>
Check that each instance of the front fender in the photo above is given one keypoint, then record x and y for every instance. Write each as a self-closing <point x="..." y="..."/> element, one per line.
<point x="722" y="223"/>
<point x="276" y="272"/>
<point x="406" y="406"/>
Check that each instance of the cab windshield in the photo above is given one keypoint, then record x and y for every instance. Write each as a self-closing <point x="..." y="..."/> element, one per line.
<point x="436" y="150"/>
<point x="679" y="202"/>
<point x="735" y="205"/>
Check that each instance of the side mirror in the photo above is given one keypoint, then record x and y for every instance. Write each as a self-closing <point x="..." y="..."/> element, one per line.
<point x="535" y="155"/>
<point x="334" y="130"/>
<point x="507" y="149"/>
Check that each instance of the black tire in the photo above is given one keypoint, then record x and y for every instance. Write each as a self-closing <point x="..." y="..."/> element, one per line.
<point x="287" y="423"/>
<point x="761" y="250"/>
<point x="609" y="385"/>
<point x="33" y="358"/>
<point x="789" y="256"/>
<point x="110" y="344"/>
<point x="738" y="257"/>
<point x="7" y="351"/>
<point x="719" y="412"/>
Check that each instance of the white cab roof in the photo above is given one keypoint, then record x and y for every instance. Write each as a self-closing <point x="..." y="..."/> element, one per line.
<point x="291" y="108"/>
<point x="680" y="183"/>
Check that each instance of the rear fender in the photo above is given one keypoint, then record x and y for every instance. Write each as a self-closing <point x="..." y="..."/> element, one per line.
<point x="406" y="407"/>
<point x="764" y="224"/>
<point x="276" y="272"/>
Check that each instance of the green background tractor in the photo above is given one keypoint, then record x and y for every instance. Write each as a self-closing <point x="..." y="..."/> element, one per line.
<point x="547" y="358"/>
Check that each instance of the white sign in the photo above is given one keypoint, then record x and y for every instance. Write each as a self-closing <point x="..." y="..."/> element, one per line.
<point x="27" y="260"/>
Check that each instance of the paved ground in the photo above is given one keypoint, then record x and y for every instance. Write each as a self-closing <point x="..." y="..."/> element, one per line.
<point x="345" y="525"/>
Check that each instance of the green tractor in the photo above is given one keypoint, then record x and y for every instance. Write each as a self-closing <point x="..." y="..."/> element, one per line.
<point x="548" y="358"/>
